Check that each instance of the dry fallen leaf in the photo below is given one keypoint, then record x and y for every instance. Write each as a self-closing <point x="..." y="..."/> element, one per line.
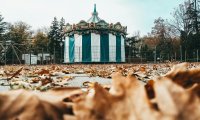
<point x="186" y="78"/>
<point x="42" y="72"/>
<point x="26" y="105"/>
<point x="46" y="80"/>
<point x="126" y="101"/>
<point x="175" y="102"/>
<point x="150" y="89"/>
<point x="127" y="98"/>
<point x="16" y="73"/>
<point x="196" y="90"/>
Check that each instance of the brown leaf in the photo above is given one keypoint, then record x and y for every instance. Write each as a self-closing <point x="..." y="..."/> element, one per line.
<point x="69" y="117"/>
<point x="186" y="78"/>
<point x="175" y="102"/>
<point x="150" y="89"/>
<point x="35" y="80"/>
<point x="16" y="73"/>
<point x="46" y="80"/>
<point x="130" y="103"/>
<point x="27" y="105"/>
<point x="142" y="69"/>
<point x="42" y="72"/>
<point x="196" y="90"/>
<point x="155" y="67"/>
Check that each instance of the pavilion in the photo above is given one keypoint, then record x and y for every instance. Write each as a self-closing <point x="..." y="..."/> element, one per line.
<point x="94" y="40"/>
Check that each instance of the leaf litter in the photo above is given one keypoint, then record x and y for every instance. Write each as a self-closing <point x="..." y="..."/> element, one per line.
<point x="137" y="92"/>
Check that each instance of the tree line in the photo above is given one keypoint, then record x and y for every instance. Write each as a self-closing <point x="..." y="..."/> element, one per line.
<point x="170" y="39"/>
<point x="46" y="40"/>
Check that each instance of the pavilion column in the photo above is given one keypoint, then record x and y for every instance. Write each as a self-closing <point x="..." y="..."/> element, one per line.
<point x="86" y="49"/>
<point x="104" y="43"/>
<point x="118" y="48"/>
<point x="71" y="48"/>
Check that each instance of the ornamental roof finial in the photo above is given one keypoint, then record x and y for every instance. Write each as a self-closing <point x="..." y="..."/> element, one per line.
<point x="95" y="9"/>
<point x="94" y="18"/>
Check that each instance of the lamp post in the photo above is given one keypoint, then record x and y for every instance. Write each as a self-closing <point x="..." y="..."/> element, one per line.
<point x="61" y="44"/>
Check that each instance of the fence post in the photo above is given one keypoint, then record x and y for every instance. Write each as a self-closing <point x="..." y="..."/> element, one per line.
<point x="185" y="55"/>
<point x="42" y="56"/>
<point x="12" y="55"/>
<point x="168" y="57"/>
<point x="54" y="55"/>
<point x="197" y="55"/>
<point x="160" y="58"/>
<point x="30" y="55"/>
<point x="155" y="55"/>
<point x="5" y="56"/>
<point x="181" y="53"/>
<point x="175" y="56"/>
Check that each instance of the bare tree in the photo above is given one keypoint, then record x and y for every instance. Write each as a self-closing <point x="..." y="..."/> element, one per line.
<point x="186" y="20"/>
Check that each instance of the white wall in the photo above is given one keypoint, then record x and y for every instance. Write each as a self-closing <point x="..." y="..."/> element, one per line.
<point x="27" y="58"/>
<point x="112" y="48"/>
<point x="78" y="48"/>
<point x="95" y="47"/>
<point x="122" y="49"/>
<point x="66" y="50"/>
<point x="45" y="55"/>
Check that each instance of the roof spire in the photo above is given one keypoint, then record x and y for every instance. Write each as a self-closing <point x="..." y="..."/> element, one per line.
<point x="94" y="18"/>
<point x="95" y="9"/>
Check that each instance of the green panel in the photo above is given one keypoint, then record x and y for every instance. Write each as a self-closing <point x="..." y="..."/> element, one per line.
<point x="86" y="48"/>
<point x="71" y="48"/>
<point x="118" y="48"/>
<point x="104" y="43"/>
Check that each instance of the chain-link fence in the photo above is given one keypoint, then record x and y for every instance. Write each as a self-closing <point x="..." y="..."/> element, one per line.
<point x="12" y="53"/>
<point x="21" y="54"/>
<point x="154" y="56"/>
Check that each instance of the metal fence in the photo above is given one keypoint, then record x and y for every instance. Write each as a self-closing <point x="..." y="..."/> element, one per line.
<point x="11" y="54"/>
<point x="156" y="57"/>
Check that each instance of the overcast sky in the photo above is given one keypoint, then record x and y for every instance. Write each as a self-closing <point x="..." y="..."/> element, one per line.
<point x="137" y="15"/>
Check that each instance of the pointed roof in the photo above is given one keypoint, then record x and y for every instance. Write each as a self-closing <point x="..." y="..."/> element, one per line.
<point x="94" y="18"/>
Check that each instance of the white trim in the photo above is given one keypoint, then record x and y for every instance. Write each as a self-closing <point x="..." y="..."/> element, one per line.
<point x="112" y="48"/>
<point x="95" y="47"/>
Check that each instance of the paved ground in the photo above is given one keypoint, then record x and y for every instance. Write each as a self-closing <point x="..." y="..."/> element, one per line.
<point x="76" y="82"/>
<point x="4" y="88"/>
